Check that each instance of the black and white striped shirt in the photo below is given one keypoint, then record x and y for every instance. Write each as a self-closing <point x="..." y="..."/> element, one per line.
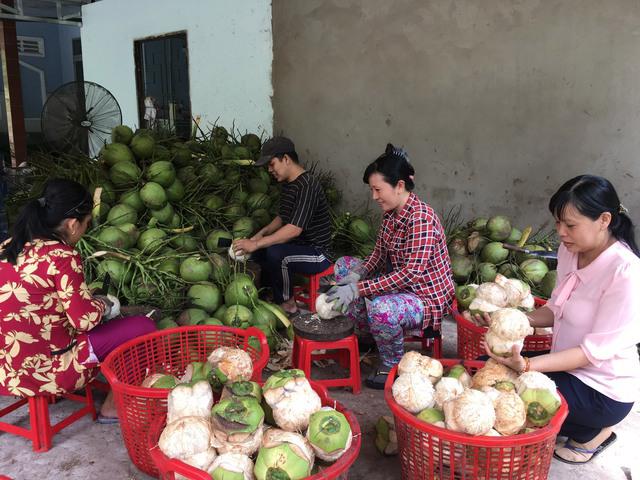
<point x="303" y="204"/>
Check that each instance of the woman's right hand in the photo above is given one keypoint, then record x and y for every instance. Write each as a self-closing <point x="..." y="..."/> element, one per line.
<point x="481" y="320"/>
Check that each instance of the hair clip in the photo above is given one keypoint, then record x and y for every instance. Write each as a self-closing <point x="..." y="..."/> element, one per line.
<point x="411" y="177"/>
<point x="623" y="209"/>
<point x="42" y="201"/>
<point x="396" y="152"/>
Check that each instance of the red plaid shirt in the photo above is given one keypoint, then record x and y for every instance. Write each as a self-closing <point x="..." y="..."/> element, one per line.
<point x="415" y="243"/>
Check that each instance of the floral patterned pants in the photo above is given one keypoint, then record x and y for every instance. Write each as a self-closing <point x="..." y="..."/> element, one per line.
<point x="385" y="317"/>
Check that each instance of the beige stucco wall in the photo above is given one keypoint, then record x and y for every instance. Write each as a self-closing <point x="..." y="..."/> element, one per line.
<point x="497" y="102"/>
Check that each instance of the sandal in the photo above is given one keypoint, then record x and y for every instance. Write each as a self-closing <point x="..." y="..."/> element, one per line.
<point x="577" y="451"/>
<point x="103" y="420"/>
<point x="377" y="380"/>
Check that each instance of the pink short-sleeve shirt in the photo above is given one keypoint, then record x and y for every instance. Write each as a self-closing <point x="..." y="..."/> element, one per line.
<point x="597" y="308"/>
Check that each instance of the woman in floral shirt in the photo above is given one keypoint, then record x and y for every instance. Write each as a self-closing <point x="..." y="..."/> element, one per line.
<point x="51" y="338"/>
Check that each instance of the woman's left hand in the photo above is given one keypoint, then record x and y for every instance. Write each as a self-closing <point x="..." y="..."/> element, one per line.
<point x="514" y="362"/>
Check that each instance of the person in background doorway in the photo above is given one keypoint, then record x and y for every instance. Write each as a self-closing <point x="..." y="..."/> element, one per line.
<point x="298" y="239"/>
<point x="52" y="330"/>
<point x="595" y="314"/>
<point x="415" y="289"/>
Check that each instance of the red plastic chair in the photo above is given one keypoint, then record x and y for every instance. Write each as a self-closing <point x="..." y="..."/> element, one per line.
<point x="41" y="432"/>
<point x="345" y="352"/>
<point x="430" y="338"/>
<point x="308" y="297"/>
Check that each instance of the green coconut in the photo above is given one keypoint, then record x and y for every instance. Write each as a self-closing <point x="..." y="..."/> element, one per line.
<point x="161" y="153"/>
<point x="151" y="239"/>
<point x="514" y="236"/>
<point x="213" y="202"/>
<point x="261" y="217"/>
<point x="263" y="316"/>
<point x="479" y="224"/>
<point x="548" y="283"/>
<point x="116" y="269"/>
<point x="534" y="270"/>
<point x="329" y="431"/>
<point x="219" y="313"/>
<point x="131" y="231"/>
<point x="487" y="272"/>
<point x="213" y="238"/>
<point x="153" y="195"/>
<point x="457" y="246"/>
<point x="494" y="252"/>
<point x="108" y="193"/>
<point x="124" y="174"/>
<point x="164" y="215"/>
<point x="241" y="152"/>
<point x="121" y="134"/>
<point x="360" y="229"/>
<point x="281" y="378"/>
<point x="237" y="316"/>
<point x="241" y="291"/>
<point x="508" y="270"/>
<point x="251" y="141"/>
<point x="211" y="321"/>
<point x="243" y="227"/>
<point x="181" y="155"/>
<point x="113" y="153"/>
<point x="166" y="381"/>
<point x="233" y="212"/>
<point x="195" y="269"/>
<point x="461" y="267"/>
<point x="244" y="388"/>
<point x="132" y="198"/>
<point x="521" y="257"/>
<point x="431" y="415"/>
<point x="498" y="228"/>
<point x="221" y="270"/>
<point x="185" y="243"/>
<point x="239" y="197"/>
<point x="232" y="176"/>
<point x="122" y="213"/>
<point x="169" y="265"/>
<point x="205" y="295"/>
<point x="541" y="406"/>
<point x="186" y="174"/>
<point x="114" y="237"/>
<point x="258" y="200"/>
<point x="258" y="185"/>
<point x="142" y="145"/>
<point x="161" y="172"/>
<point x="465" y="295"/>
<point x="210" y="174"/>
<point x="165" y="323"/>
<point x="191" y="316"/>
<point x="238" y="414"/>
<point x="99" y="213"/>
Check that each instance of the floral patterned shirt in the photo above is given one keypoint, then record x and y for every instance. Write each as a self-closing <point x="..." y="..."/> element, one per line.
<point x="45" y="311"/>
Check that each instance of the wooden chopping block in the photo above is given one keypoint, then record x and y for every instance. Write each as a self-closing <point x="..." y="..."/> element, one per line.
<point x="312" y="327"/>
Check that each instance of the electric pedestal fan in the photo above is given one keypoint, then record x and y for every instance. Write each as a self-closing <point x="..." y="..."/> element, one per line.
<point x="79" y="116"/>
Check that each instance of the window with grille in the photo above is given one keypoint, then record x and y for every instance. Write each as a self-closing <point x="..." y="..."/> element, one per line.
<point x="31" y="46"/>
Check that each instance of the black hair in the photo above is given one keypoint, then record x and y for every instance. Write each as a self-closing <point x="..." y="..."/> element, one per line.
<point x="592" y="196"/>
<point x="42" y="217"/>
<point x="394" y="166"/>
<point x="293" y="155"/>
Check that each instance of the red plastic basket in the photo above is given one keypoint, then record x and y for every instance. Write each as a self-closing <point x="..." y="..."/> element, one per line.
<point x="169" y="351"/>
<point x="339" y="470"/>
<point x="430" y="452"/>
<point x="470" y="334"/>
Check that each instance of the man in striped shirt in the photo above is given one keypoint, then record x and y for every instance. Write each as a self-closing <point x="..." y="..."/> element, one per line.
<point x="297" y="240"/>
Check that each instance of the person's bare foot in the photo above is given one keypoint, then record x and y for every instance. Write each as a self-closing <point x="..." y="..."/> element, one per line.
<point x="108" y="408"/>
<point x="289" y="306"/>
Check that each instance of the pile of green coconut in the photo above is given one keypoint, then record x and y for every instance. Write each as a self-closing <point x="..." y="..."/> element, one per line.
<point x="279" y="430"/>
<point x="165" y="215"/>
<point x="478" y="256"/>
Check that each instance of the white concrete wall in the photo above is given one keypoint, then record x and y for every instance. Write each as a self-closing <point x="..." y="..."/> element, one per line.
<point x="230" y="54"/>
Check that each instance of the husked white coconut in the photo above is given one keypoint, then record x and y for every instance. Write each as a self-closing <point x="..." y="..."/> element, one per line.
<point x="510" y="324"/>
<point x="234" y="364"/>
<point x="511" y="413"/>
<point x="516" y="289"/>
<point x="446" y="389"/>
<point x="415" y="362"/>
<point x="492" y="293"/>
<point x="492" y="373"/>
<point x="190" y="401"/>
<point x="470" y="412"/>
<point x="292" y="403"/>
<point x="414" y="392"/>
<point x="324" y="308"/>
<point x="185" y="437"/>
<point x="501" y="346"/>
<point x="230" y="463"/>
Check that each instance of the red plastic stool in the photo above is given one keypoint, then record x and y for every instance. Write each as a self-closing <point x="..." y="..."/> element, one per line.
<point x="430" y="337"/>
<point x="346" y="354"/>
<point x="41" y="432"/>
<point x="309" y="298"/>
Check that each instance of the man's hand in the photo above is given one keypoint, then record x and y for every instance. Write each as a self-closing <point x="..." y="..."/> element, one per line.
<point x="245" y="245"/>
<point x="344" y="295"/>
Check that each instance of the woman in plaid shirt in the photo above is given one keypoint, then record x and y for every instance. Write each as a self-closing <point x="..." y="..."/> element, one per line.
<point x="406" y="284"/>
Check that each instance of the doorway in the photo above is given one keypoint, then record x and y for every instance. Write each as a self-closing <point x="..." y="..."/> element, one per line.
<point x="162" y="82"/>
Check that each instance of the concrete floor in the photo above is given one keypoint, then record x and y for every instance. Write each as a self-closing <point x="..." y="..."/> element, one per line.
<point x="89" y="450"/>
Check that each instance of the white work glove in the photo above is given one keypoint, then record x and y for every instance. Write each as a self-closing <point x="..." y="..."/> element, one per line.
<point x="111" y="306"/>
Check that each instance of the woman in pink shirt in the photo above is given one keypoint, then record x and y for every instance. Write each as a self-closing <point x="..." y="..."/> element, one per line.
<point x="594" y="311"/>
